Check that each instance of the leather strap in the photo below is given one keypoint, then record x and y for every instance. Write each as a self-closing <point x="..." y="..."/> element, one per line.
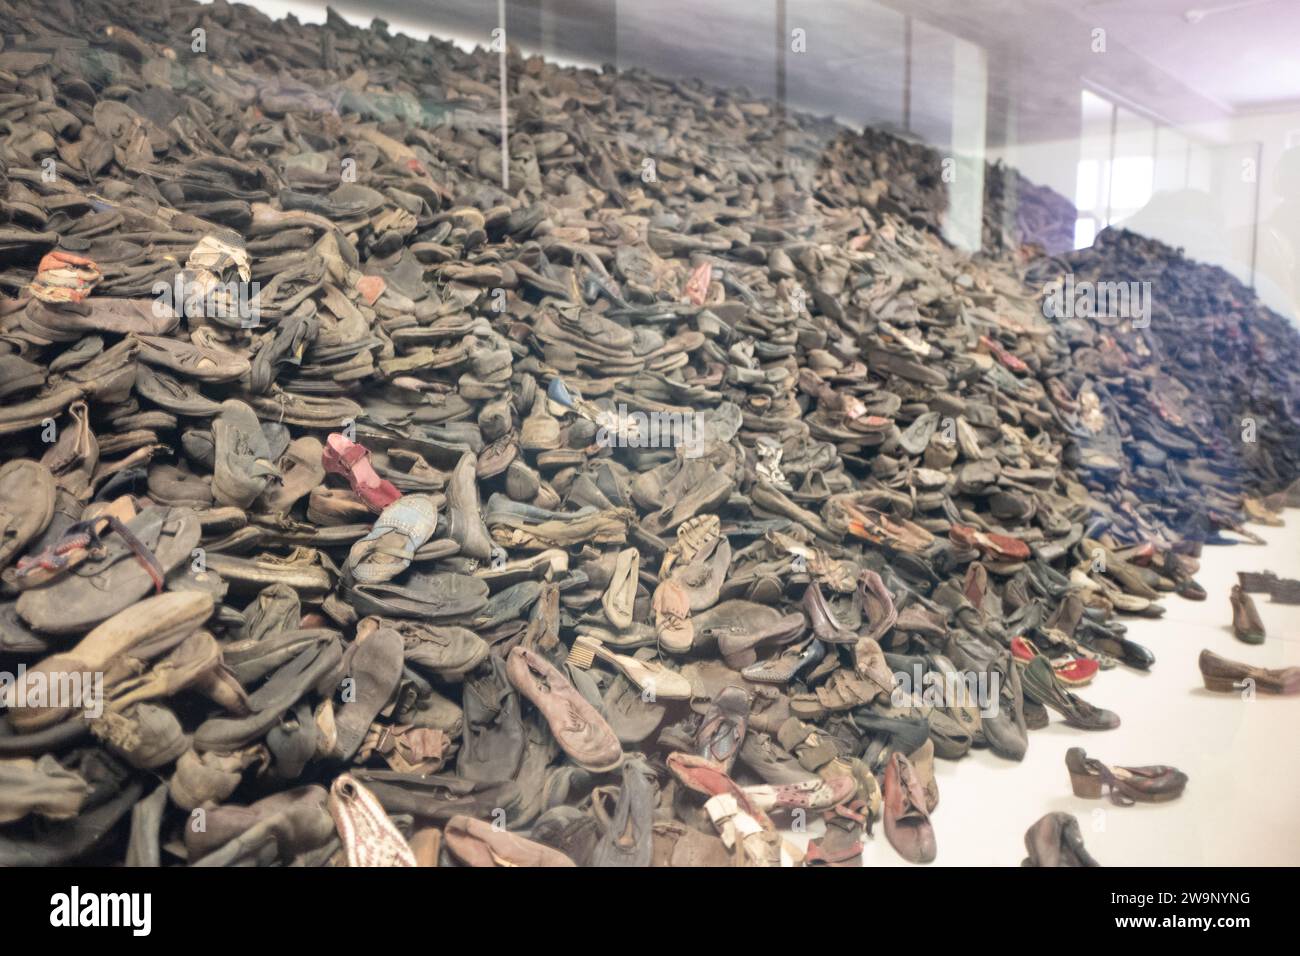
<point x="1119" y="791"/>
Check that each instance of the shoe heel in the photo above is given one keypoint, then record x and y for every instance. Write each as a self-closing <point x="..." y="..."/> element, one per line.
<point x="1222" y="684"/>
<point x="1086" y="785"/>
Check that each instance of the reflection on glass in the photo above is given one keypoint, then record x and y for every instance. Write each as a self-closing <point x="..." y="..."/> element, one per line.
<point x="1130" y="185"/>
<point x="1085" y="231"/>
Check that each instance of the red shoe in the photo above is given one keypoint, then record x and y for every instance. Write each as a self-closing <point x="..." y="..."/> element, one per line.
<point x="1073" y="671"/>
<point x="709" y="778"/>
<point x="64" y="277"/>
<point x="352" y="461"/>
<point x="371" y="288"/>
<point x="1013" y="362"/>
<point x="991" y="544"/>
<point x="1022" y="650"/>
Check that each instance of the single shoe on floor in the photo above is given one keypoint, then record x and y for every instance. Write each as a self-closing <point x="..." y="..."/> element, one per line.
<point x="1127" y="785"/>
<point x="1246" y="624"/>
<point x="1056" y="840"/>
<point x="1221" y="674"/>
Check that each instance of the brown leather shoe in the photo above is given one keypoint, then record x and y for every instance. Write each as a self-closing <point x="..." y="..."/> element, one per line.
<point x="116" y="648"/>
<point x="1127" y="785"/>
<point x="822" y="619"/>
<point x="479" y="843"/>
<point x="578" y="727"/>
<point x="1245" y="617"/>
<point x="877" y="605"/>
<point x="1054" y="840"/>
<point x="676" y="844"/>
<point x="1222" y="674"/>
<point x="722" y="732"/>
<point x="907" y="822"/>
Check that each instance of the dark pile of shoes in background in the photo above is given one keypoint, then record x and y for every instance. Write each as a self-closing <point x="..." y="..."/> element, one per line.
<point x="1206" y="400"/>
<point x="1021" y="216"/>
<point x="620" y="517"/>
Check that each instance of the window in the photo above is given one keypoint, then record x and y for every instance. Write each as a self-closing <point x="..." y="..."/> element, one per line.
<point x="1117" y="166"/>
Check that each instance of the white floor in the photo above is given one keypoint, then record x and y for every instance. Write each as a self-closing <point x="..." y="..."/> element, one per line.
<point x="1241" y="804"/>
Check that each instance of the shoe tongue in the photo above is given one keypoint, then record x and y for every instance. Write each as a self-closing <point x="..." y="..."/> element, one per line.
<point x="261" y="468"/>
<point x="913" y="792"/>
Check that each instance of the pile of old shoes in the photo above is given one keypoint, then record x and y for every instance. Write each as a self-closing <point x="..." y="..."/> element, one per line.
<point x="393" y="515"/>
<point x="1219" y="433"/>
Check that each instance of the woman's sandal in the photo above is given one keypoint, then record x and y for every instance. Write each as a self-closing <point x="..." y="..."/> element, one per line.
<point x="1127" y="785"/>
<point x="344" y="457"/>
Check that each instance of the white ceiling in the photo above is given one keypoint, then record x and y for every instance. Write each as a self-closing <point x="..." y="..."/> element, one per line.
<point x="1245" y="59"/>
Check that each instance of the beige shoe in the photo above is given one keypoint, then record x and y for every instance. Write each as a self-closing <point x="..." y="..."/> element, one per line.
<point x="26" y="505"/>
<point x="202" y="779"/>
<point x="540" y="430"/>
<point x="41" y="787"/>
<point x="650" y="677"/>
<point x="426" y="844"/>
<point x="752" y="843"/>
<point x="337" y="506"/>
<point x="673" y="618"/>
<point x="113" y="650"/>
<point x="579" y="728"/>
<point x="193" y="659"/>
<point x="620" y="597"/>
<point x="301" y="472"/>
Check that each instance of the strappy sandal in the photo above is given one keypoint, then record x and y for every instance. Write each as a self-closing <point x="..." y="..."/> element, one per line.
<point x="709" y="778"/>
<point x="841" y="845"/>
<point x="1127" y="785"/>
<point x="696" y="537"/>
<point x="814" y="794"/>
<point x="352" y="461"/>
<point x="397" y="534"/>
<point x="79" y="542"/>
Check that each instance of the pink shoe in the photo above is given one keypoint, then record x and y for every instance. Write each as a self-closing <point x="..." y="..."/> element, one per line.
<point x="352" y="461"/>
